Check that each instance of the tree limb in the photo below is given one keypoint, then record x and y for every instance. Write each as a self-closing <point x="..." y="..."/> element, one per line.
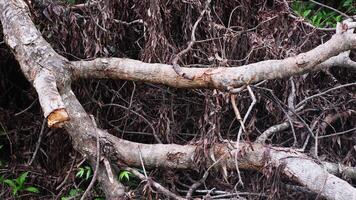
<point x="323" y="56"/>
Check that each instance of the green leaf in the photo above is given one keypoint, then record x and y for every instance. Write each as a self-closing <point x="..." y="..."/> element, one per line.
<point x="2" y="179"/>
<point x="80" y="173"/>
<point x="306" y="13"/>
<point x="74" y="192"/>
<point x="14" y="191"/>
<point x="22" y="178"/>
<point x="347" y="3"/>
<point x="317" y="21"/>
<point x="338" y="18"/>
<point x="88" y="174"/>
<point x="11" y="183"/>
<point x="125" y="175"/>
<point x="32" y="189"/>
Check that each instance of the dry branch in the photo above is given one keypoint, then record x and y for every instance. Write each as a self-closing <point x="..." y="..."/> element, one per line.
<point x="48" y="72"/>
<point x="51" y="75"/>
<point x="297" y="166"/>
<point x="323" y="56"/>
<point x="36" y="58"/>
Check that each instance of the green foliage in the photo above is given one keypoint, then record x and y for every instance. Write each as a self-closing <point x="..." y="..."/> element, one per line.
<point x="320" y="16"/>
<point x="18" y="185"/>
<point x="125" y="176"/>
<point x="84" y="172"/>
<point x="72" y="194"/>
<point x="70" y="1"/>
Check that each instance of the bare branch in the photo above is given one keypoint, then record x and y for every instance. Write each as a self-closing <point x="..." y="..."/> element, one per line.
<point x="323" y="56"/>
<point x="298" y="106"/>
<point x="38" y="143"/>
<point x="36" y="57"/>
<point x="298" y="167"/>
<point x="175" y="64"/>
<point x="156" y="185"/>
<point x="271" y="130"/>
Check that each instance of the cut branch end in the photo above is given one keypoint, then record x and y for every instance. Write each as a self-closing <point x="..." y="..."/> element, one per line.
<point x="57" y="118"/>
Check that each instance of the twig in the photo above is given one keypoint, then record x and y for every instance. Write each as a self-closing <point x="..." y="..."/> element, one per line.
<point x="137" y="21"/>
<point x="238" y="117"/>
<point x="175" y="64"/>
<point x="130" y="105"/>
<point x="154" y="184"/>
<point x="237" y="90"/>
<point x="280" y="105"/>
<point x="236" y="194"/>
<point x="311" y="25"/>
<point x="243" y="128"/>
<point x="271" y="130"/>
<point x="193" y="187"/>
<point x="38" y="142"/>
<point x="237" y="112"/>
<point x="253" y="103"/>
<point x="138" y="114"/>
<point x="291" y="109"/>
<point x="298" y="106"/>
<point x="338" y="133"/>
<point x="291" y="97"/>
<point x="144" y="177"/>
<point x="91" y="184"/>
<point x="26" y="109"/>
<point x="331" y="8"/>
<point x="68" y="173"/>
<point x="142" y="164"/>
<point x="332" y="117"/>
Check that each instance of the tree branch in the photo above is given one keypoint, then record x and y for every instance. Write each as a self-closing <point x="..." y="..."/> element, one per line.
<point x="323" y="56"/>
<point x="38" y="61"/>
<point x="297" y="166"/>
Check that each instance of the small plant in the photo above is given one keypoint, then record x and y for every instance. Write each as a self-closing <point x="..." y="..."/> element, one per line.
<point x="129" y="179"/>
<point x="18" y="185"/>
<point x="124" y="176"/>
<point x="84" y="172"/>
<point x="320" y="16"/>
<point x="72" y="194"/>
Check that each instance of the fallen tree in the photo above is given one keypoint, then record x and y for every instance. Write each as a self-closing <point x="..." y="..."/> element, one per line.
<point x="51" y="75"/>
